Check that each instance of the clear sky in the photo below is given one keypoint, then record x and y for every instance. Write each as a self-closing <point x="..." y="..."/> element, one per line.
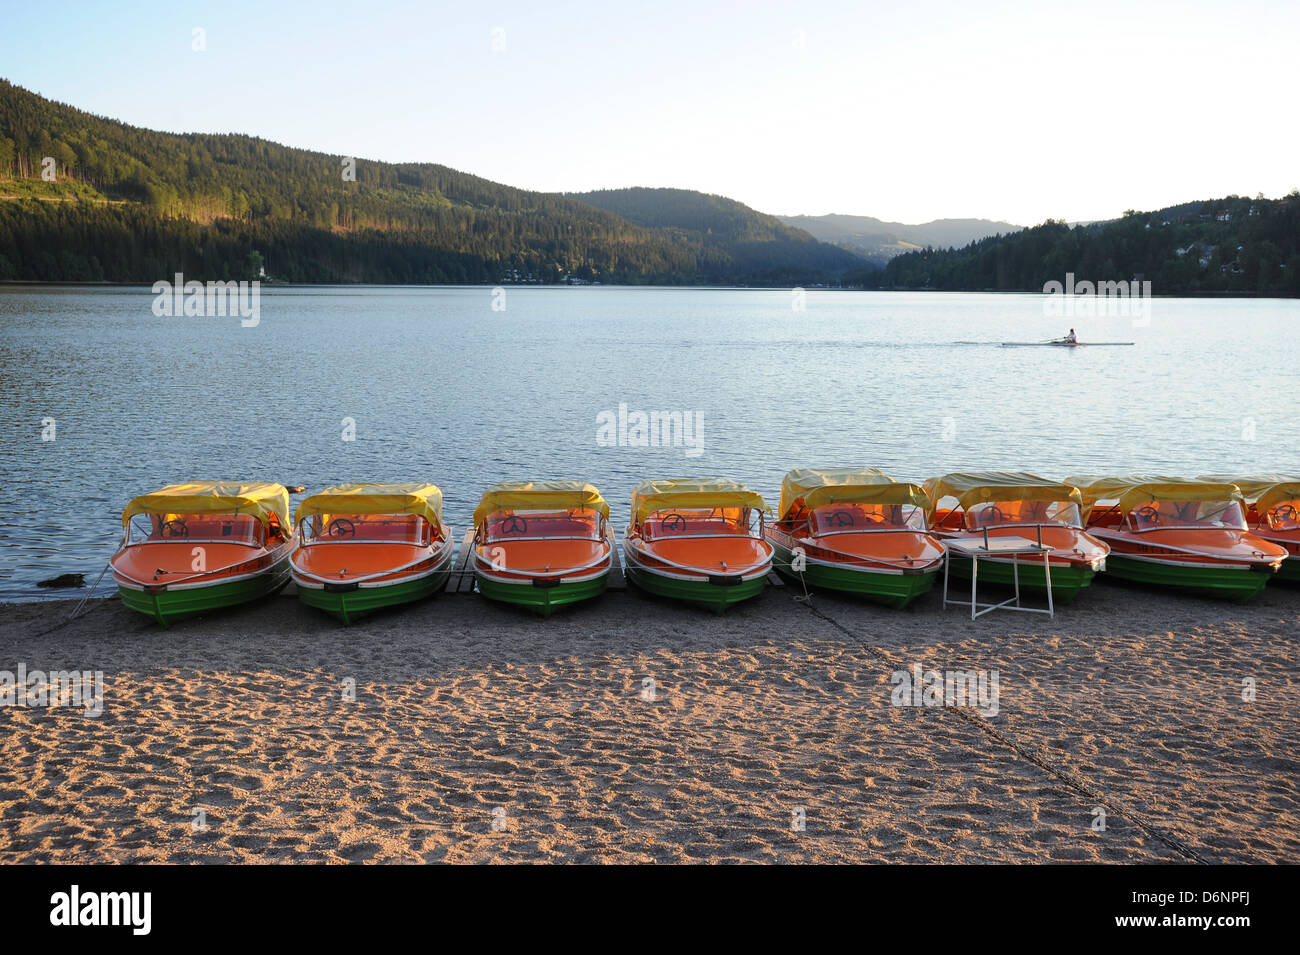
<point x="908" y="110"/>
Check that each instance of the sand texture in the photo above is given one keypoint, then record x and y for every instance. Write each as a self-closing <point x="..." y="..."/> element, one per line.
<point x="483" y="734"/>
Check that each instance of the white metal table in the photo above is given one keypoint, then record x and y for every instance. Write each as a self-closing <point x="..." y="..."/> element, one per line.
<point x="1013" y="547"/>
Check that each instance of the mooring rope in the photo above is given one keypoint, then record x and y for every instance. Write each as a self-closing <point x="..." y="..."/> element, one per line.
<point x="77" y="609"/>
<point x="1071" y="779"/>
<point x="807" y="597"/>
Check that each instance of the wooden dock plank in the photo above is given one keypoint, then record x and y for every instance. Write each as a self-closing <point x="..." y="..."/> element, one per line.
<point x="460" y="564"/>
<point x="466" y="585"/>
<point x="617" y="580"/>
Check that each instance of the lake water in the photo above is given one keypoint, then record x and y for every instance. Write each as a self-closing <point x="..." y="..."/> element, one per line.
<point x="444" y="388"/>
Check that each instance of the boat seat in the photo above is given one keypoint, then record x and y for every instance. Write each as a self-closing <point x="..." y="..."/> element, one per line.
<point x="236" y="528"/>
<point x="512" y="526"/>
<point x="1285" y="516"/>
<point x="657" y="528"/>
<point x="394" y="528"/>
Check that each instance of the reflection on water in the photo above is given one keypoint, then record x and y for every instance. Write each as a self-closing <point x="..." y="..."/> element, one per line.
<point x="443" y="388"/>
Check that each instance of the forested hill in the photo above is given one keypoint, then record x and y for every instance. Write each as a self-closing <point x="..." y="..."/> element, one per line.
<point x="134" y="205"/>
<point x="716" y="224"/>
<point x="1232" y="246"/>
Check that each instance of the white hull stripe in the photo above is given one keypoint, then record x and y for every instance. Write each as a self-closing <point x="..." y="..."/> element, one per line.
<point x="271" y="570"/>
<point x="1189" y="564"/>
<point x="699" y="575"/>
<point x="313" y="582"/>
<point x="866" y="565"/>
<point x="1034" y="560"/>
<point x="566" y="578"/>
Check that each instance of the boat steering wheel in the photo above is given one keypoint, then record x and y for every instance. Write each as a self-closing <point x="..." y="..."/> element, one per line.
<point x="178" y="529"/>
<point x="1285" y="512"/>
<point x="992" y="515"/>
<point x="342" y="527"/>
<point x="672" y="522"/>
<point x="514" y="524"/>
<point x="1148" y="514"/>
<point x="842" y="519"/>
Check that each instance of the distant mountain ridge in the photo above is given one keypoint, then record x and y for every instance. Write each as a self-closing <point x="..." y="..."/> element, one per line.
<point x="714" y="223"/>
<point x="879" y="241"/>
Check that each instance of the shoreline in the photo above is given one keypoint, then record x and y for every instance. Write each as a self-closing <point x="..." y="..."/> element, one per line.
<point x="16" y="283"/>
<point x="468" y="712"/>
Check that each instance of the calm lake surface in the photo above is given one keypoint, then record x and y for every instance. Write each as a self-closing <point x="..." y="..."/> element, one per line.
<point x="443" y="388"/>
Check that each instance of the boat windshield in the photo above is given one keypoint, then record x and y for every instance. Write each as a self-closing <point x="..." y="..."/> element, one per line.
<point x="374" y="528"/>
<point x="702" y="522"/>
<point x="858" y="516"/>
<point x="224" y="528"/>
<point x="1162" y="515"/>
<point x="1284" y="516"/>
<point x="582" y="523"/>
<point x="996" y="513"/>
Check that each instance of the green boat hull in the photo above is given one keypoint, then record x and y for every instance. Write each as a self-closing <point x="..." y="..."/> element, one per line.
<point x="350" y="605"/>
<point x="168" y="606"/>
<point x="542" y="600"/>
<point x="1225" y="584"/>
<point x="716" y="597"/>
<point x="1289" y="573"/>
<point x="1066" y="581"/>
<point x="892" y="590"/>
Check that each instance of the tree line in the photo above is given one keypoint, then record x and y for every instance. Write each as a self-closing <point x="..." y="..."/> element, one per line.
<point x="135" y="205"/>
<point x="131" y="204"/>
<point x="1235" y="246"/>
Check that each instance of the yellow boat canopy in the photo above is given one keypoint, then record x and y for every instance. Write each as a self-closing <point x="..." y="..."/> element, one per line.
<point x="539" y="495"/>
<point x="821" y="486"/>
<point x="413" y="498"/>
<point x="1275" y="495"/>
<point x="651" y="496"/>
<point x="1265" y="491"/>
<point x="976" y="487"/>
<point x="1131" y="490"/>
<point x="262" y="500"/>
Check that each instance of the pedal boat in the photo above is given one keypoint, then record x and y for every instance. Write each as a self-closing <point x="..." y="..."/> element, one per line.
<point x="365" y="547"/>
<point x="699" y="541"/>
<point x="542" y="545"/>
<point x="1273" y="514"/>
<point x="1175" y="532"/>
<point x="856" y="531"/>
<point x="1018" y="504"/>
<point x="189" y="549"/>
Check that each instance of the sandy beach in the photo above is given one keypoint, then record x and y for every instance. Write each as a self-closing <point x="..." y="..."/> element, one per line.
<point x="483" y="734"/>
